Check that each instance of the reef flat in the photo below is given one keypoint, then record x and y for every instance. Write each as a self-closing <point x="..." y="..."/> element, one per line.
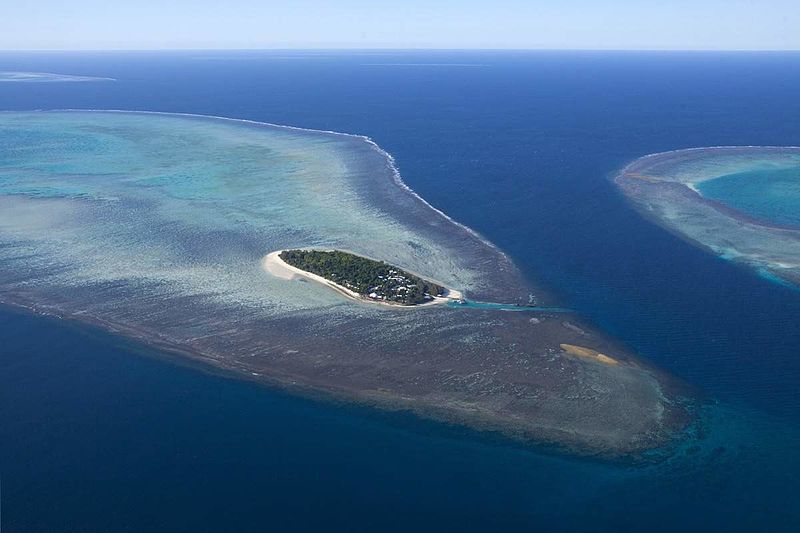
<point x="742" y="203"/>
<point x="155" y="225"/>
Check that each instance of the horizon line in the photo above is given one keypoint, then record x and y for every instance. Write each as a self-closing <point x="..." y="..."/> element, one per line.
<point x="396" y="49"/>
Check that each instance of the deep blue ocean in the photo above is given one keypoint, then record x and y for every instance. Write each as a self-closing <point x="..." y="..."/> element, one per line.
<point x="97" y="434"/>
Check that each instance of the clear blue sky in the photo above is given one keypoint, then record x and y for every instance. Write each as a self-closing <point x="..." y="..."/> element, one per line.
<point x="583" y="24"/>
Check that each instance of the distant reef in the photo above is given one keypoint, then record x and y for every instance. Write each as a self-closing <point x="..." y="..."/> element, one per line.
<point x="670" y="189"/>
<point x="44" y="77"/>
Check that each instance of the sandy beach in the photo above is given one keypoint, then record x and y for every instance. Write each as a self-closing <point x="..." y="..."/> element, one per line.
<point x="274" y="265"/>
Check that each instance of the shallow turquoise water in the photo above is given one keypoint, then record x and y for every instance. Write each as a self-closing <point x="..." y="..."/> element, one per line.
<point x="108" y="179"/>
<point x="770" y="195"/>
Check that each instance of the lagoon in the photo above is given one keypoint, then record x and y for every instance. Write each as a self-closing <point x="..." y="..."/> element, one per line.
<point x="768" y="195"/>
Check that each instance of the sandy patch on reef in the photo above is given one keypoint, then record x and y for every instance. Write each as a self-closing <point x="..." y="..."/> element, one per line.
<point x="588" y="353"/>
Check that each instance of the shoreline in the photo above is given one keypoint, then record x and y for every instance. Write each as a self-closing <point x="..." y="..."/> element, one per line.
<point x="272" y="264"/>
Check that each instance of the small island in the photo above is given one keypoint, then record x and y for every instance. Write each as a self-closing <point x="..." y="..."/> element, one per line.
<point x="360" y="277"/>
